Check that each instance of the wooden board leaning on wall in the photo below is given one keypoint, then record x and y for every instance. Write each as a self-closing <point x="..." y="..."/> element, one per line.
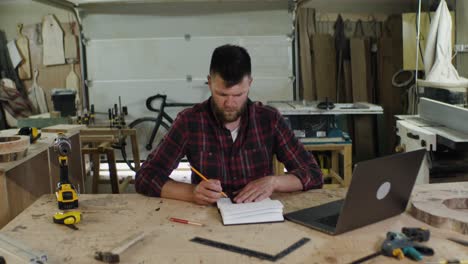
<point x="50" y="77"/>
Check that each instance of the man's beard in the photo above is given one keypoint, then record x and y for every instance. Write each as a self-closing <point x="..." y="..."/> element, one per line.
<point x="227" y="117"/>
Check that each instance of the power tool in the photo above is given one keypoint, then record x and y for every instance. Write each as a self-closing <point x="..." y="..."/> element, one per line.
<point x="66" y="194"/>
<point x="69" y="219"/>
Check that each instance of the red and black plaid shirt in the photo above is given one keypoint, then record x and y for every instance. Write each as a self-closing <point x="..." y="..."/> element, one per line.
<point x="209" y="148"/>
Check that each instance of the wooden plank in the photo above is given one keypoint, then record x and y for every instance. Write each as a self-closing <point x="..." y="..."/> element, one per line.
<point x="52" y="36"/>
<point x="22" y="42"/>
<point x="364" y="141"/>
<point x="359" y="64"/>
<point x="90" y="131"/>
<point x="306" y="29"/>
<point x="126" y="213"/>
<point x="97" y="139"/>
<point x="5" y="216"/>
<point x="63" y="128"/>
<point x="324" y="59"/>
<point x="348" y="85"/>
<point x="390" y="97"/>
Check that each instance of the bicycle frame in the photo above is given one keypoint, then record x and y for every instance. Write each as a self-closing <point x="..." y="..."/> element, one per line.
<point x="161" y="115"/>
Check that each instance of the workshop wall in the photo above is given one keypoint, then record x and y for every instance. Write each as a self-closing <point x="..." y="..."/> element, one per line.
<point x="27" y="12"/>
<point x="462" y="36"/>
<point x="361" y="6"/>
<point x="139" y="50"/>
<point x="31" y="14"/>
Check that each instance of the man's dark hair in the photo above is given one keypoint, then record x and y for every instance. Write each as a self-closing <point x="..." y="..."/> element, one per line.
<point x="231" y="62"/>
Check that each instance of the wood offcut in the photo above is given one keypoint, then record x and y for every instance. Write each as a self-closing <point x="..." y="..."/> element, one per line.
<point x="445" y="208"/>
<point x="13" y="148"/>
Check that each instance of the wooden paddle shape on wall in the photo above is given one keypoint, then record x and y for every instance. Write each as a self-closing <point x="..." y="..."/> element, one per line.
<point x="52" y="36"/>
<point x="73" y="83"/>
<point x="71" y="50"/>
<point x="36" y="96"/>
<point x="22" y="42"/>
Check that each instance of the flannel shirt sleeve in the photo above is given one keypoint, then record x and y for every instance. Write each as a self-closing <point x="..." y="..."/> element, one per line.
<point x="155" y="171"/>
<point x="298" y="161"/>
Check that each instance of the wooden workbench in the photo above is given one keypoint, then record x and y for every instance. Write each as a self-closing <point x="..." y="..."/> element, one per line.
<point x="340" y="148"/>
<point x="25" y="180"/>
<point x="101" y="139"/>
<point x="109" y="219"/>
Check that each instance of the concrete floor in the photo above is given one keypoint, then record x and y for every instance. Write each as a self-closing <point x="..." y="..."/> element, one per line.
<point x="182" y="174"/>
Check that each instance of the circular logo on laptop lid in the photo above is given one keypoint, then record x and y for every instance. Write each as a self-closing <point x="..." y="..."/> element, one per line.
<point x="383" y="190"/>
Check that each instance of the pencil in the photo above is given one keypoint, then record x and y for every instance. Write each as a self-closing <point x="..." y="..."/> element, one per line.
<point x="205" y="179"/>
<point x="183" y="221"/>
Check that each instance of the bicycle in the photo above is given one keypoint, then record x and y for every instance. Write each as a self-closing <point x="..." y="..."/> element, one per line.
<point x="148" y="128"/>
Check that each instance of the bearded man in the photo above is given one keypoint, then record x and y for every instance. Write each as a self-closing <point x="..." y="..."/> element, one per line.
<point x="232" y="141"/>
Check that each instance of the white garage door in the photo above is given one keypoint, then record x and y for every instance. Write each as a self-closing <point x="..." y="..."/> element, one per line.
<point x="139" y="50"/>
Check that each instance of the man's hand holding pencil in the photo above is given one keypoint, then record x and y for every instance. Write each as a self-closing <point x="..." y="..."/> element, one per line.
<point x="207" y="191"/>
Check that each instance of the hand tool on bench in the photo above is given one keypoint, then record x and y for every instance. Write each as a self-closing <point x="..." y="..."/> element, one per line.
<point x="113" y="256"/>
<point x="403" y="244"/>
<point x="250" y="252"/>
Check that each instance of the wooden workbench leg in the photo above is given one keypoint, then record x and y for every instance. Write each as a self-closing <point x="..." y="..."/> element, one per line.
<point x="335" y="164"/>
<point x="96" y="166"/>
<point x="348" y="164"/>
<point x="83" y="167"/>
<point x="136" y="152"/>
<point x="112" y="170"/>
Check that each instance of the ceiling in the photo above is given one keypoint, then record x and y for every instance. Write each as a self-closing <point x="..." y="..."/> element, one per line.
<point x="334" y="6"/>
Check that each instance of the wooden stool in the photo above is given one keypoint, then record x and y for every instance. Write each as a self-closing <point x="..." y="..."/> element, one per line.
<point x="104" y="136"/>
<point x="343" y="148"/>
<point x="94" y="153"/>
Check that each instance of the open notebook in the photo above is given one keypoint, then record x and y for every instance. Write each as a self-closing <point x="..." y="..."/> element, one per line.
<point x="247" y="213"/>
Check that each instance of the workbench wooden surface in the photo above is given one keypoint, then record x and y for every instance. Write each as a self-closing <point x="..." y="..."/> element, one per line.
<point x="109" y="219"/>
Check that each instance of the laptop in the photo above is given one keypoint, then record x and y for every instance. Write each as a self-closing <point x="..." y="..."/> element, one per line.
<point x="380" y="188"/>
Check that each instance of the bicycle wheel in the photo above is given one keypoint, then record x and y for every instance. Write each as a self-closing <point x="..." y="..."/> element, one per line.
<point x="148" y="134"/>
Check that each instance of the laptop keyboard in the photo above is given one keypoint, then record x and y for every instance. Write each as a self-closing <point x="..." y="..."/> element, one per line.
<point x="331" y="220"/>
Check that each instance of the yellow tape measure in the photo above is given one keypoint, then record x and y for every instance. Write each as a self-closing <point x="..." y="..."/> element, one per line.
<point x="68" y="218"/>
